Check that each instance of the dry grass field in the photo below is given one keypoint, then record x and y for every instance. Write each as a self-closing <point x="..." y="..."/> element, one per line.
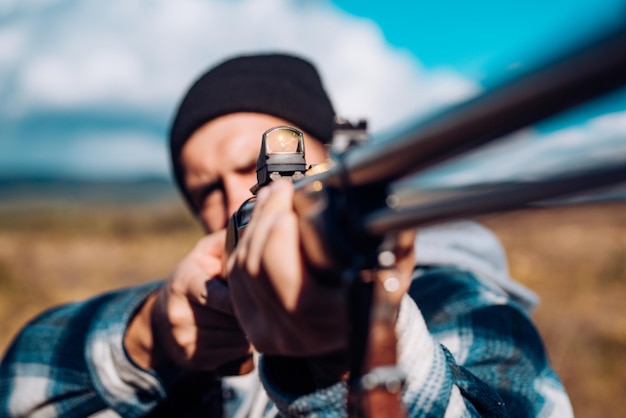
<point x="574" y="258"/>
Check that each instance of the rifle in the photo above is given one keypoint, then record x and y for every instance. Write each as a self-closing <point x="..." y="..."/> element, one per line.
<point x="348" y="211"/>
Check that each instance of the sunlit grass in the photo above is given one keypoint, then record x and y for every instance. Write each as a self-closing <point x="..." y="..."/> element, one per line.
<point x="574" y="258"/>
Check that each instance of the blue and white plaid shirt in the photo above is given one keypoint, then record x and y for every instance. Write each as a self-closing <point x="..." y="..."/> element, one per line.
<point x="465" y="341"/>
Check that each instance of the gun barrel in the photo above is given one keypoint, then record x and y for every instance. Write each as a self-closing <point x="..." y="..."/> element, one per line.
<point x="574" y="78"/>
<point x="429" y="206"/>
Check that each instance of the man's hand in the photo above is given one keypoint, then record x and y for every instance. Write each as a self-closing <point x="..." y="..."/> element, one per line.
<point x="189" y="322"/>
<point x="282" y="309"/>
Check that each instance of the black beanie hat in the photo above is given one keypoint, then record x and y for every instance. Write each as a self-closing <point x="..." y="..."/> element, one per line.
<point x="284" y="86"/>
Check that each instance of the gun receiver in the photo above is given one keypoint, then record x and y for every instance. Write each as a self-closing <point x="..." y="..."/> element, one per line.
<point x="281" y="156"/>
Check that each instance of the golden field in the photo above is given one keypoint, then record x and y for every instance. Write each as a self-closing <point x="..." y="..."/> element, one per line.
<point x="574" y="258"/>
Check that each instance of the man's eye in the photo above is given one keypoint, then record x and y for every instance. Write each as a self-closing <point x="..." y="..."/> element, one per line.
<point x="203" y="194"/>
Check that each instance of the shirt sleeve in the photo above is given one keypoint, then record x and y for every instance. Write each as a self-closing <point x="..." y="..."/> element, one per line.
<point x="70" y="361"/>
<point x="487" y="353"/>
<point x="477" y="353"/>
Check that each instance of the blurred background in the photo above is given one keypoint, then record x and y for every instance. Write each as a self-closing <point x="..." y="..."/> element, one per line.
<point x="87" y="91"/>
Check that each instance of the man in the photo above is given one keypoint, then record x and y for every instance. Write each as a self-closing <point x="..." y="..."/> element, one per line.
<point x="465" y="340"/>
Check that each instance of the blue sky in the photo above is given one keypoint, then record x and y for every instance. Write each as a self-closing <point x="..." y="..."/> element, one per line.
<point x="476" y="37"/>
<point x="87" y="89"/>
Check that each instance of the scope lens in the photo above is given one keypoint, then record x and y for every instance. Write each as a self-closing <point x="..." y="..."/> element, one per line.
<point x="284" y="141"/>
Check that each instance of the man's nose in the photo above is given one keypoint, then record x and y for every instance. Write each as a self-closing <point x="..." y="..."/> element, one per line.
<point x="237" y="189"/>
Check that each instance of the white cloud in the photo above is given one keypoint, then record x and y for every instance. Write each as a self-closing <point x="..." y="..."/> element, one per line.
<point x="611" y="122"/>
<point x="142" y="54"/>
<point x="527" y="155"/>
<point x="12" y="43"/>
<point x="136" y="58"/>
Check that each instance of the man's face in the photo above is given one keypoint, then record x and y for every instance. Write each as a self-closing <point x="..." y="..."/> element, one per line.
<point x="219" y="163"/>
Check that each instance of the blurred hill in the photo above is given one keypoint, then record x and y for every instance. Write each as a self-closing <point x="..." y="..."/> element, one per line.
<point x="62" y="241"/>
<point x="28" y="191"/>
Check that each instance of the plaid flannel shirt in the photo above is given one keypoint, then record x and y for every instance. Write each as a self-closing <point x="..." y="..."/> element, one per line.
<point x="467" y="346"/>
